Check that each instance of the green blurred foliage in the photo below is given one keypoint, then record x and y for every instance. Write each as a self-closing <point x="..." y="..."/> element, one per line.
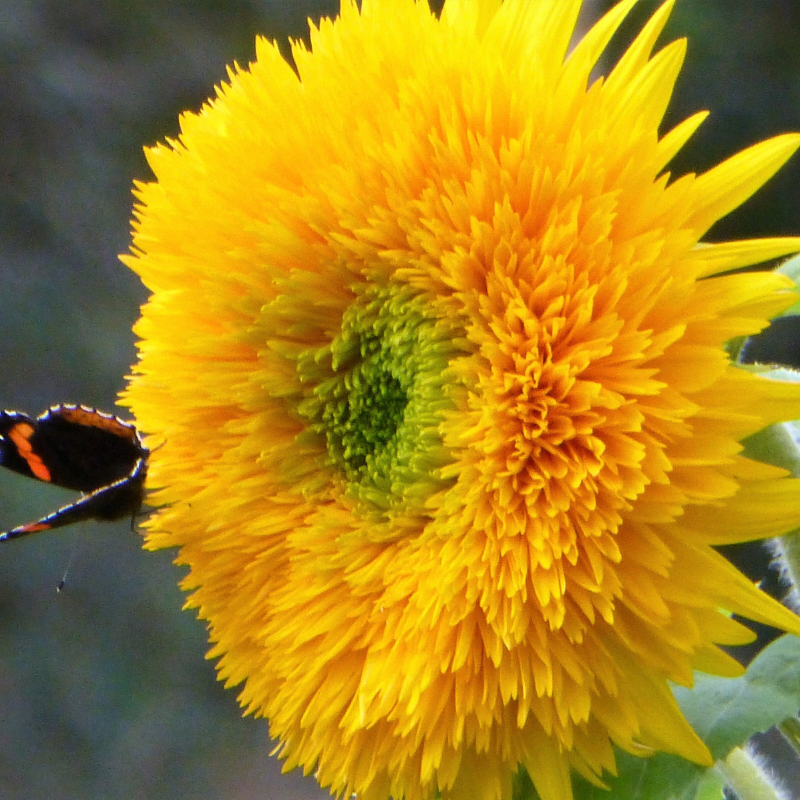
<point x="104" y="688"/>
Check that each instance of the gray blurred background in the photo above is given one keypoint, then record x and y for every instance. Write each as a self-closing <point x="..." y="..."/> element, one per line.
<point x="104" y="689"/>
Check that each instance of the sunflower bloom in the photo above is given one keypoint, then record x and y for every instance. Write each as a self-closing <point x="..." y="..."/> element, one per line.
<point x="446" y="430"/>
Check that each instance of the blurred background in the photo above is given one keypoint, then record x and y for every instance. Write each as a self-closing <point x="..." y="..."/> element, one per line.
<point x="104" y="689"/>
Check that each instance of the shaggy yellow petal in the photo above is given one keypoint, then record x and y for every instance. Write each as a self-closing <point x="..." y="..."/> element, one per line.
<point x="590" y="48"/>
<point x="443" y="423"/>
<point x="726" y="256"/>
<point x="470" y="15"/>
<point x="637" y="56"/>
<point x="729" y="184"/>
<point x="535" y="32"/>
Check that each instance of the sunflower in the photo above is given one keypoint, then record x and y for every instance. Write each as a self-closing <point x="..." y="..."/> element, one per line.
<point x="443" y="423"/>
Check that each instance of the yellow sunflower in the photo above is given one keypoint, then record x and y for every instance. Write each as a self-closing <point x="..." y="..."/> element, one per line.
<point x="434" y="360"/>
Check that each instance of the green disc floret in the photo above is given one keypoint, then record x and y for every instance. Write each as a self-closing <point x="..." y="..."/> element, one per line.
<point x="364" y="414"/>
<point x="377" y="396"/>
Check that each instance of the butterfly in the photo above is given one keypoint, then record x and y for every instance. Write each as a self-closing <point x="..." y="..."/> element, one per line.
<point x="78" y="448"/>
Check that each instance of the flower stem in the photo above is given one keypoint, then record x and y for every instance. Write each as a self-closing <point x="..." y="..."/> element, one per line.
<point x="745" y="773"/>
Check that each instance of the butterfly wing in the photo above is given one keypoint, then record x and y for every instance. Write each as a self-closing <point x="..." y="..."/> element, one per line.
<point x="84" y="449"/>
<point x="78" y="448"/>
<point x="120" y="499"/>
<point x="17" y="447"/>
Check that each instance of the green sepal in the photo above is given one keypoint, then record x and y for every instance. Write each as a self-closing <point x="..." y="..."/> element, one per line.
<point x="734" y="347"/>
<point x="778" y="445"/>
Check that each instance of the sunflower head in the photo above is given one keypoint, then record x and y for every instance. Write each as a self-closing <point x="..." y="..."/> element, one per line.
<point x="435" y="360"/>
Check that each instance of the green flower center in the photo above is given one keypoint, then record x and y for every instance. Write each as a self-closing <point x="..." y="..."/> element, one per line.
<point x="365" y="412"/>
<point x="378" y="395"/>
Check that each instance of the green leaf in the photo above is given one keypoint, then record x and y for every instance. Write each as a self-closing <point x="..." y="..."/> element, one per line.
<point x="792" y="269"/>
<point x="725" y="712"/>
<point x="712" y="787"/>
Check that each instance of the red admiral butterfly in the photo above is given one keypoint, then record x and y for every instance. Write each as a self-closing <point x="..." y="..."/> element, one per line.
<point x="78" y="448"/>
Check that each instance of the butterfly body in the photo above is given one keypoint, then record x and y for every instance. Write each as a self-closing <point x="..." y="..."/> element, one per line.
<point x="78" y="448"/>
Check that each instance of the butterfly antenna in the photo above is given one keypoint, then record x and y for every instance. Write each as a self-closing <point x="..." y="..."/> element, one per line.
<point x="63" y="582"/>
